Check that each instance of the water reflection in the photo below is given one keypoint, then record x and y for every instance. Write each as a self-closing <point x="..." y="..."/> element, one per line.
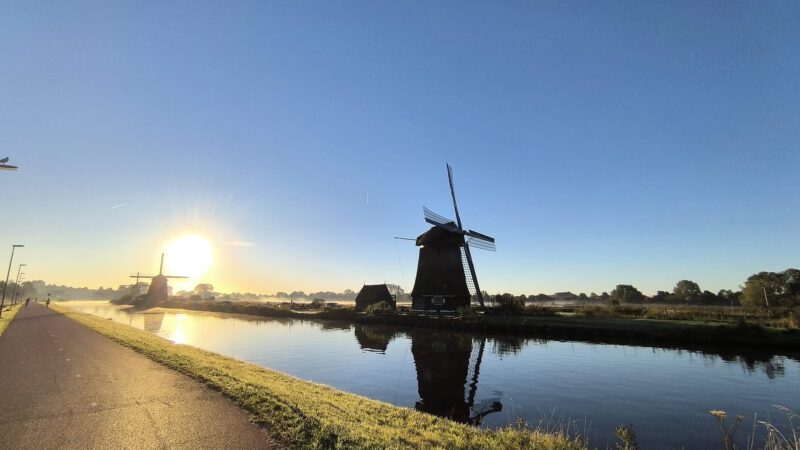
<point x="333" y="325"/>
<point x="508" y="345"/>
<point x="448" y="367"/>
<point x="374" y="338"/>
<point x="153" y="321"/>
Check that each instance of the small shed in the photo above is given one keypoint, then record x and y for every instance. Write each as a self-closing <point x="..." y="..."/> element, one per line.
<point x="374" y="293"/>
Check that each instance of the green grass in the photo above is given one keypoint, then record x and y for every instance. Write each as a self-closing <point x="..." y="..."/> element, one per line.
<point x="302" y="414"/>
<point x="8" y="316"/>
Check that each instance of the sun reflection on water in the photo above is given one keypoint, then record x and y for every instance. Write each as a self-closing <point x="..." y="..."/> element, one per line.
<point x="179" y="333"/>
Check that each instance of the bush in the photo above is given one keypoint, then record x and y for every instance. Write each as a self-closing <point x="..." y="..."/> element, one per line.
<point x="378" y="308"/>
<point x="610" y="311"/>
<point x="794" y="318"/>
<point x="466" y="312"/>
<point x="536" y="310"/>
<point x="508" y="304"/>
<point x="126" y="299"/>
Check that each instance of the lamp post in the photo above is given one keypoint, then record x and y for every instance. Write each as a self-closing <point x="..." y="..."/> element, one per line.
<point x="19" y="283"/>
<point x="19" y="295"/>
<point x="16" y="285"/>
<point x="11" y="261"/>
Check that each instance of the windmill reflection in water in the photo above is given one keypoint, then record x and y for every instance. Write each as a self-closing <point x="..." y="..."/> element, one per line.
<point x="448" y="367"/>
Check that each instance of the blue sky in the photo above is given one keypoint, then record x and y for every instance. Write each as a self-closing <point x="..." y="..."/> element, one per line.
<point x="599" y="142"/>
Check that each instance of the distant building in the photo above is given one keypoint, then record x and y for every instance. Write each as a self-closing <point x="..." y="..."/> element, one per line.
<point x="374" y="293"/>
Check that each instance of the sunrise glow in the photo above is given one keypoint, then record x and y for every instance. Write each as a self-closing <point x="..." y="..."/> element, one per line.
<point x="190" y="256"/>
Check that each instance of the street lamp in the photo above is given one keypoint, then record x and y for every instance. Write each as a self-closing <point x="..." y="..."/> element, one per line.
<point x="21" y="277"/>
<point x="2" y="302"/>
<point x="16" y="285"/>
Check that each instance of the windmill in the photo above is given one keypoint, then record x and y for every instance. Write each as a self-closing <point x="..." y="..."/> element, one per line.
<point x="446" y="276"/>
<point x="158" y="291"/>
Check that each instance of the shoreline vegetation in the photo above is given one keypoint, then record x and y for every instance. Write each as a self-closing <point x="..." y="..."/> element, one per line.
<point x="691" y="325"/>
<point x="303" y="414"/>
<point x="8" y="315"/>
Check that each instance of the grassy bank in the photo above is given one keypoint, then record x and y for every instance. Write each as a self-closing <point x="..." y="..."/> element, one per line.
<point x="541" y="323"/>
<point x="303" y="414"/>
<point x="8" y="316"/>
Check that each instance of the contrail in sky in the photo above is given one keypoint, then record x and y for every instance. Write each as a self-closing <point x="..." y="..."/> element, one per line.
<point x="119" y="206"/>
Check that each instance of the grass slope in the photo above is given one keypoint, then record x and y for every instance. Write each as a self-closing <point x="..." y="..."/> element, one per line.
<point x="303" y="414"/>
<point x="8" y="316"/>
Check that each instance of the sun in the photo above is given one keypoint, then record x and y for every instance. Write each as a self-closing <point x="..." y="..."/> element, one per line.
<point x="189" y="256"/>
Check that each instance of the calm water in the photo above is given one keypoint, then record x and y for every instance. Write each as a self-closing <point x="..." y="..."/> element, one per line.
<point x="665" y="393"/>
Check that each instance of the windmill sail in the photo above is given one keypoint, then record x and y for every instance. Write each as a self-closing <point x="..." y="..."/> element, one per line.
<point x="481" y="244"/>
<point x="467" y="254"/>
<point x="436" y="219"/>
<point x="453" y="193"/>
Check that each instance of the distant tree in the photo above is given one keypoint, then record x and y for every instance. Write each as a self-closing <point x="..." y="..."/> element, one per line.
<point x="538" y="298"/>
<point x="687" y="291"/>
<point x="281" y="295"/>
<point x="708" y="298"/>
<point x="758" y="285"/>
<point x="791" y="278"/>
<point x="28" y="289"/>
<point x="661" y="297"/>
<point x="394" y="288"/>
<point x="728" y="297"/>
<point x="781" y="288"/>
<point x="625" y="293"/>
<point x="203" y="288"/>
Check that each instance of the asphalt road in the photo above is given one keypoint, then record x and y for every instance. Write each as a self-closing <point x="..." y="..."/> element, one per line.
<point x="65" y="386"/>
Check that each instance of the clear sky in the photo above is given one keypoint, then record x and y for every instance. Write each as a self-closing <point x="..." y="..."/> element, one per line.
<point x="598" y="142"/>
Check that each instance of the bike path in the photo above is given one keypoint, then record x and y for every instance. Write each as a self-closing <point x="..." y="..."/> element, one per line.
<point x="65" y="386"/>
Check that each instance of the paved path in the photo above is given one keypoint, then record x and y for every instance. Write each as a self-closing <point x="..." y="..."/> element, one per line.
<point x="65" y="386"/>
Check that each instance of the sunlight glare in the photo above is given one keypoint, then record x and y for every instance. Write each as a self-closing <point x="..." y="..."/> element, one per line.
<point x="189" y="256"/>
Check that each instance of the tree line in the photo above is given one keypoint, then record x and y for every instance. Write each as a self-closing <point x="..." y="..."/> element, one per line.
<point x="763" y="289"/>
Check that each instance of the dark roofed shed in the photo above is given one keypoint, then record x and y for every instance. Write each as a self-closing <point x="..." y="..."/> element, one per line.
<point x="374" y="293"/>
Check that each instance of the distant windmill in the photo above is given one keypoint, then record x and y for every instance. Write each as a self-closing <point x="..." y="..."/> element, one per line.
<point x="158" y="291"/>
<point x="446" y="277"/>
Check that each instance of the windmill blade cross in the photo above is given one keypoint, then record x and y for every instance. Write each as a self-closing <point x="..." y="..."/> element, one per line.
<point x="436" y="218"/>
<point x="446" y="226"/>
<point x="476" y="235"/>
<point x="440" y="221"/>
<point x="480" y="240"/>
<point x="481" y="244"/>
<point x="453" y="193"/>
